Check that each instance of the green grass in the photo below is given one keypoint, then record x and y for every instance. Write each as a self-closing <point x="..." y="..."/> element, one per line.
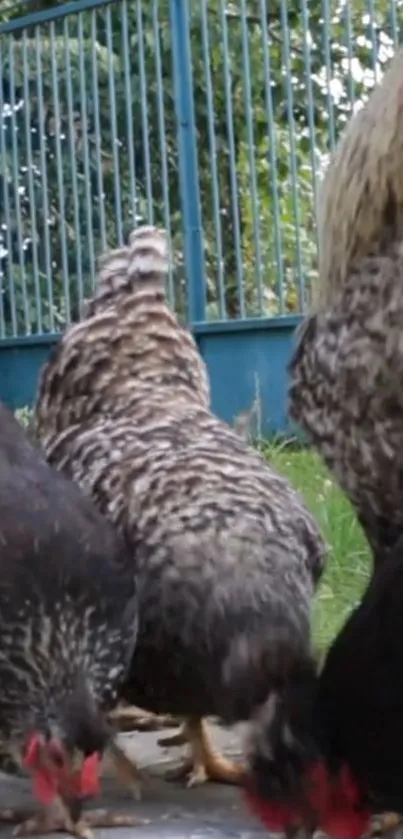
<point x="348" y="564"/>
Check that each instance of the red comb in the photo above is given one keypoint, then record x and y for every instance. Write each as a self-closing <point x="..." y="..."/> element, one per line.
<point x="44" y="784"/>
<point x="334" y="802"/>
<point x="32" y="752"/>
<point x="344" y="818"/>
<point x="83" y="783"/>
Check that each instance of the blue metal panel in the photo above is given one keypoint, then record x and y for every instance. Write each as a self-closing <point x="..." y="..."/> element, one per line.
<point x="243" y="363"/>
<point x="21" y="360"/>
<point x="250" y="364"/>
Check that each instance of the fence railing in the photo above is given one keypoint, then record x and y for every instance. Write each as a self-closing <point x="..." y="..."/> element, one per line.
<point x="209" y="117"/>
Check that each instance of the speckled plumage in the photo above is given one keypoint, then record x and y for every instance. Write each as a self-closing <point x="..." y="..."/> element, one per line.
<point x="346" y="372"/>
<point x="67" y="604"/>
<point x="226" y="554"/>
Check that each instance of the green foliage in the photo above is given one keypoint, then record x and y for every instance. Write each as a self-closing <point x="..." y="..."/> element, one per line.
<point x="24" y="416"/>
<point x="89" y="143"/>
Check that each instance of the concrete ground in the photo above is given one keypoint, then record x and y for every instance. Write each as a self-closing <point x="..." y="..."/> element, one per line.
<point x="170" y="811"/>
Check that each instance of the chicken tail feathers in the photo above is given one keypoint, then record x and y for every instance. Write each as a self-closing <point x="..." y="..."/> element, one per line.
<point x="112" y="279"/>
<point x="148" y="258"/>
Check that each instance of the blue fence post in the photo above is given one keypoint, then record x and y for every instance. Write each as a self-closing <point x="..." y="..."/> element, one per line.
<point x="188" y="168"/>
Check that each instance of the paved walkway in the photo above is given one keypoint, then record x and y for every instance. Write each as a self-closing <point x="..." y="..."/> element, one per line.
<point x="170" y="810"/>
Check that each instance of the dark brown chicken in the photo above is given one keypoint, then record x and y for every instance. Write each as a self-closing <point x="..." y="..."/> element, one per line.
<point x="226" y="554"/>
<point x="68" y="618"/>
<point x="346" y="387"/>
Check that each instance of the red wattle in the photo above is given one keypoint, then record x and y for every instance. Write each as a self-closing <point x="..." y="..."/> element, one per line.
<point x="31" y="753"/>
<point x="89" y="777"/>
<point x="44" y="786"/>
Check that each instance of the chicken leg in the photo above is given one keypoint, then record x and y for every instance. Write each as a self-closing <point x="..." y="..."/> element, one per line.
<point x="56" y="819"/>
<point x="131" y="718"/>
<point x="127" y="771"/>
<point x="204" y="763"/>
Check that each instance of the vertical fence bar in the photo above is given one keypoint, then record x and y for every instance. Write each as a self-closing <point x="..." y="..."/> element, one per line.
<point x="251" y="150"/>
<point x="373" y="28"/>
<point x="31" y="174"/>
<point x="6" y="204"/>
<point x="188" y="169"/>
<point x="350" y="52"/>
<point x="85" y="129"/>
<point x="271" y="131"/>
<point x="310" y="96"/>
<point x="17" y="194"/>
<point x="394" y="23"/>
<point x="45" y="205"/>
<point x="73" y="162"/>
<point x="97" y="128"/>
<point x="220" y="288"/>
<point x="129" y="108"/>
<point x="2" y="319"/>
<point x="328" y="63"/>
<point x="163" y="142"/>
<point x="293" y="154"/>
<point x="59" y="166"/>
<point x="144" y="113"/>
<point x="233" y="162"/>
<point x="114" y="127"/>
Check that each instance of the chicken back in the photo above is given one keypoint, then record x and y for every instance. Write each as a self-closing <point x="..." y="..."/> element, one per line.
<point x="347" y="369"/>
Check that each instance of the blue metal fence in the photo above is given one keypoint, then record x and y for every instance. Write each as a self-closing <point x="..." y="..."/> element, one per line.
<point x="212" y="118"/>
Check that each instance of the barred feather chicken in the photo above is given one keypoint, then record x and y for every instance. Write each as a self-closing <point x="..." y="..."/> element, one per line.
<point x="346" y="373"/>
<point x="67" y="633"/>
<point x="226" y="555"/>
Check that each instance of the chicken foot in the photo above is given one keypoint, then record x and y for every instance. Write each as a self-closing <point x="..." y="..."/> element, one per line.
<point x="56" y="819"/>
<point x="127" y="771"/>
<point x="384" y="823"/>
<point x="131" y="718"/>
<point x="204" y="763"/>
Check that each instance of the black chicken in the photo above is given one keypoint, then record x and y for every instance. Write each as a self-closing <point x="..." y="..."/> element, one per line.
<point x="347" y="370"/>
<point x="330" y="752"/>
<point x="68" y="618"/>
<point x="226" y="554"/>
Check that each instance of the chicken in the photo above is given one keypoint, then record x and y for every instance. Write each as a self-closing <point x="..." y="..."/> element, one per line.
<point x="68" y="624"/>
<point x="329" y="753"/>
<point x="226" y="555"/>
<point x="347" y="369"/>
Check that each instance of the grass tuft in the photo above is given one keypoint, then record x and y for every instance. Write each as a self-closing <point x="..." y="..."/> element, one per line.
<point x="349" y="563"/>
